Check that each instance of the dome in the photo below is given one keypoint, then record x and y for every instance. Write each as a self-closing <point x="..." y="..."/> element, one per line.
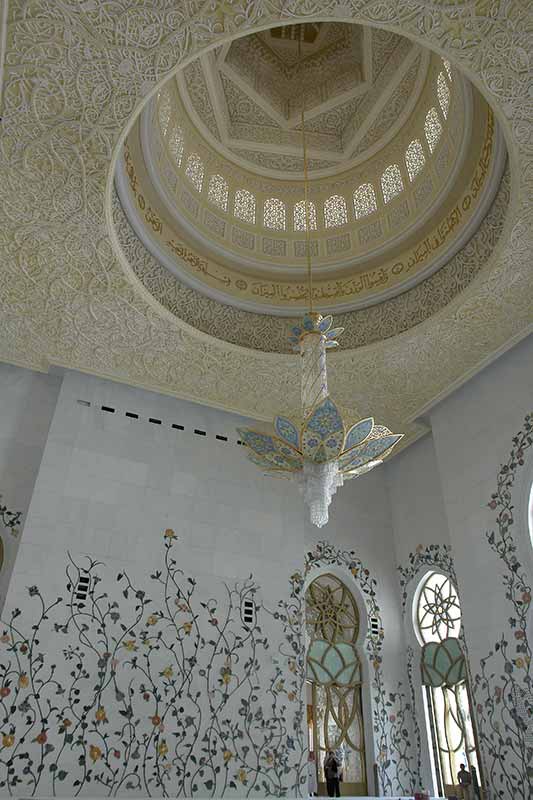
<point x="405" y="168"/>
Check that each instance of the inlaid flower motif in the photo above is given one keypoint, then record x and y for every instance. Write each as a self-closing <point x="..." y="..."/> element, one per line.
<point x="227" y="755"/>
<point x="242" y="775"/>
<point x="162" y="748"/>
<point x="5" y="691"/>
<point x="152" y="620"/>
<point x="168" y="672"/>
<point x="169" y="534"/>
<point x="95" y="754"/>
<point x="8" y="740"/>
<point x="130" y="645"/>
<point x="100" y="715"/>
<point x="23" y="681"/>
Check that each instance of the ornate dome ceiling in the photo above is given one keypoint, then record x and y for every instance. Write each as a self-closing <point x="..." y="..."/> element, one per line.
<point x="407" y="163"/>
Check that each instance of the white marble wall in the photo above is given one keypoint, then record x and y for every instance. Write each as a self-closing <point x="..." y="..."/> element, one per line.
<point x="27" y="403"/>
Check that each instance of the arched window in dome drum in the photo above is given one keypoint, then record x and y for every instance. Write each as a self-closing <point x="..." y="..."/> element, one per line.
<point x="175" y="143"/>
<point x="334" y="682"/>
<point x="364" y="200"/>
<point x="163" y="111"/>
<point x="432" y="128"/>
<point x="217" y="192"/>
<point x="274" y="214"/>
<point x="437" y="615"/>
<point x="443" y="93"/>
<point x="335" y="212"/>
<point x="194" y="170"/>
<point x="414" y="158"/>
<point x="391" y="182"/>
<point x="299" y="216"/>
<point x="244" y="206"/>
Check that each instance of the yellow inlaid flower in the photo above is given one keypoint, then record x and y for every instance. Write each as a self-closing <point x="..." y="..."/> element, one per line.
<point x="228" y="755"/>
<point x="24" y="681"/>
<point x="8" y="740"/>
<point x="163" y="748"/>
<point x="169" y="534"/>
<point x="242" y="775"/>
<point x="168" y="672"/>
<point x="187" y="627"/>
<point x="291" y="696"/>
<point x="152" y="620"/>
<point x="95" y="754"/>
<point x="101" y="715"/>
<point x="130" y="645"/>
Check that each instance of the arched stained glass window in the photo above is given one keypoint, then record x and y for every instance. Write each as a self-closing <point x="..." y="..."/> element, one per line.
<point x="443" y="93"/>
<point x="175" y="143"/>
<point x="244" y="206"/>
<point x="217" y="192"/>
<point x="194" y="170"/>
<point x="335" y="212"/>
<point x="164" y="109"/>
<point x="448" y="68"/>
<point x="274" y="214"/>
<point x="414" y="159"/>
<point x="432" y="128"/>
<point x="391" y="182"/>
<point x="300" y="217"/>
<point x="334" y="674"/>
<point x="444" y="676"/>
<point x="364" y="200"/>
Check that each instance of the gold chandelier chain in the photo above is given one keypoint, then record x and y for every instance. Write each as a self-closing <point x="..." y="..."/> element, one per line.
<point x="306" y="186"/>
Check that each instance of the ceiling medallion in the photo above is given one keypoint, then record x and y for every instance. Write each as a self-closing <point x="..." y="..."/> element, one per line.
<point x="321" y="453"/>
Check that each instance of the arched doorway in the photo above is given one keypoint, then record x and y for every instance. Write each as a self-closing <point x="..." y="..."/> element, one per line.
<point x="335" y="716"/>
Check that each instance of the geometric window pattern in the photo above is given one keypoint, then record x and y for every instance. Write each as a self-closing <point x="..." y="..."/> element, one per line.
<point x="438" y="610"/>
<point x="391" y="182"/>
<point x="194" y="170"/>
<point x="300" y="216"/>
<point x="244" y="206"/>
<point x="414" y="158"/>
<point x="364" y="200"/>
<point x="274" y="214"/>
<point x="432" y="128"/>
<point x="175" y="143"/>
<point x="333" y="667"/>
<point x="443" y="93"/>
<point x="217" y="192"/>
<point x="335" y="213"/>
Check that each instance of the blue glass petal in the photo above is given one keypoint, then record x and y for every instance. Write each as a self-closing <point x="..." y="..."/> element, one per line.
<point x="325" y="419"/>
<point x="334" y="332"/>
<point x="331" y="345"/>
<point x="308" y="323"/>
<point x="287" y="430"/>
<point x="369" y="451"/>
<point x="297" y="331"/>
<point x="325" y="324"/>
<point x="358" y="432"/>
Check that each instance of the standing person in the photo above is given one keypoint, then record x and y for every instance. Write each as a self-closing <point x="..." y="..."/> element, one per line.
<point x="465" y="782"/>
<point x="312" y="786"/>
<point x="331" y="771"/>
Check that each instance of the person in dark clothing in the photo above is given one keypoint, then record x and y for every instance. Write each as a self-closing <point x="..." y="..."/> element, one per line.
<point x="331" y="771"/>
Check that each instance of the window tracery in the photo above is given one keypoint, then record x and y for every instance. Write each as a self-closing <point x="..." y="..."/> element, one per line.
<point x="299" y="216"/>
<point x="244" y="206"/>
<point x="432" y="128"/>
<point x="391" y="182"/>
<point x="438" y="609"/>
<point x="364" y="200"/>
<point x="217" y="192"/>
<point x="414" y="159"/>
<point x="194" y="170"/>
<point x="176" y="144"/>
<point x="335" y="212"/>
<point x="274" y="214"/>
<point x="443" y="93"/>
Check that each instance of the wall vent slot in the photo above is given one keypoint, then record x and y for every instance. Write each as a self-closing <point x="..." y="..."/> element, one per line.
<point x="200" y="433"/>
<point x="155" y="421"/>
<point x="248" y="611"/>
<point x="108" y="408"/>
<point x="178" y="427"/>
<point x="374" y="626"/>
<point x="83" y="403"/>
<point x="82" y="589"/>
<point x="239" y="441"/>
<point x="221" y="438"/>
<point x="131" y="415"/>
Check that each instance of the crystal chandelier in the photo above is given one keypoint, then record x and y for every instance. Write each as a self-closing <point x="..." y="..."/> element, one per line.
<point x="322" y="452"/>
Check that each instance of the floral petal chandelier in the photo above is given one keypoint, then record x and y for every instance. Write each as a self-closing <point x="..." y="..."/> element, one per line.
<point x="322" y="452"/>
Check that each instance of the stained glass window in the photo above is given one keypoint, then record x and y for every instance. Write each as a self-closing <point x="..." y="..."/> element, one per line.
<point x="414" y="158"/>
<point x="432" y="128"/>
<point x="334" y="672"/>
<point x="443" y="93"/>
<point x="274" y="214"/>
<point x="175" y="143"/>
<point x="194" y="170"/>
<point x="164" y="109"/>
<point x="217" y="192"/>
<point x="439" y="612"/>
<point x="244" y="206"/>
<point x="364" y="200"/>
<point x="391" y="182"/>
<point x="335" y="212"/>
<point x="448" y="68"/>
<point x="300" y="221"/>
